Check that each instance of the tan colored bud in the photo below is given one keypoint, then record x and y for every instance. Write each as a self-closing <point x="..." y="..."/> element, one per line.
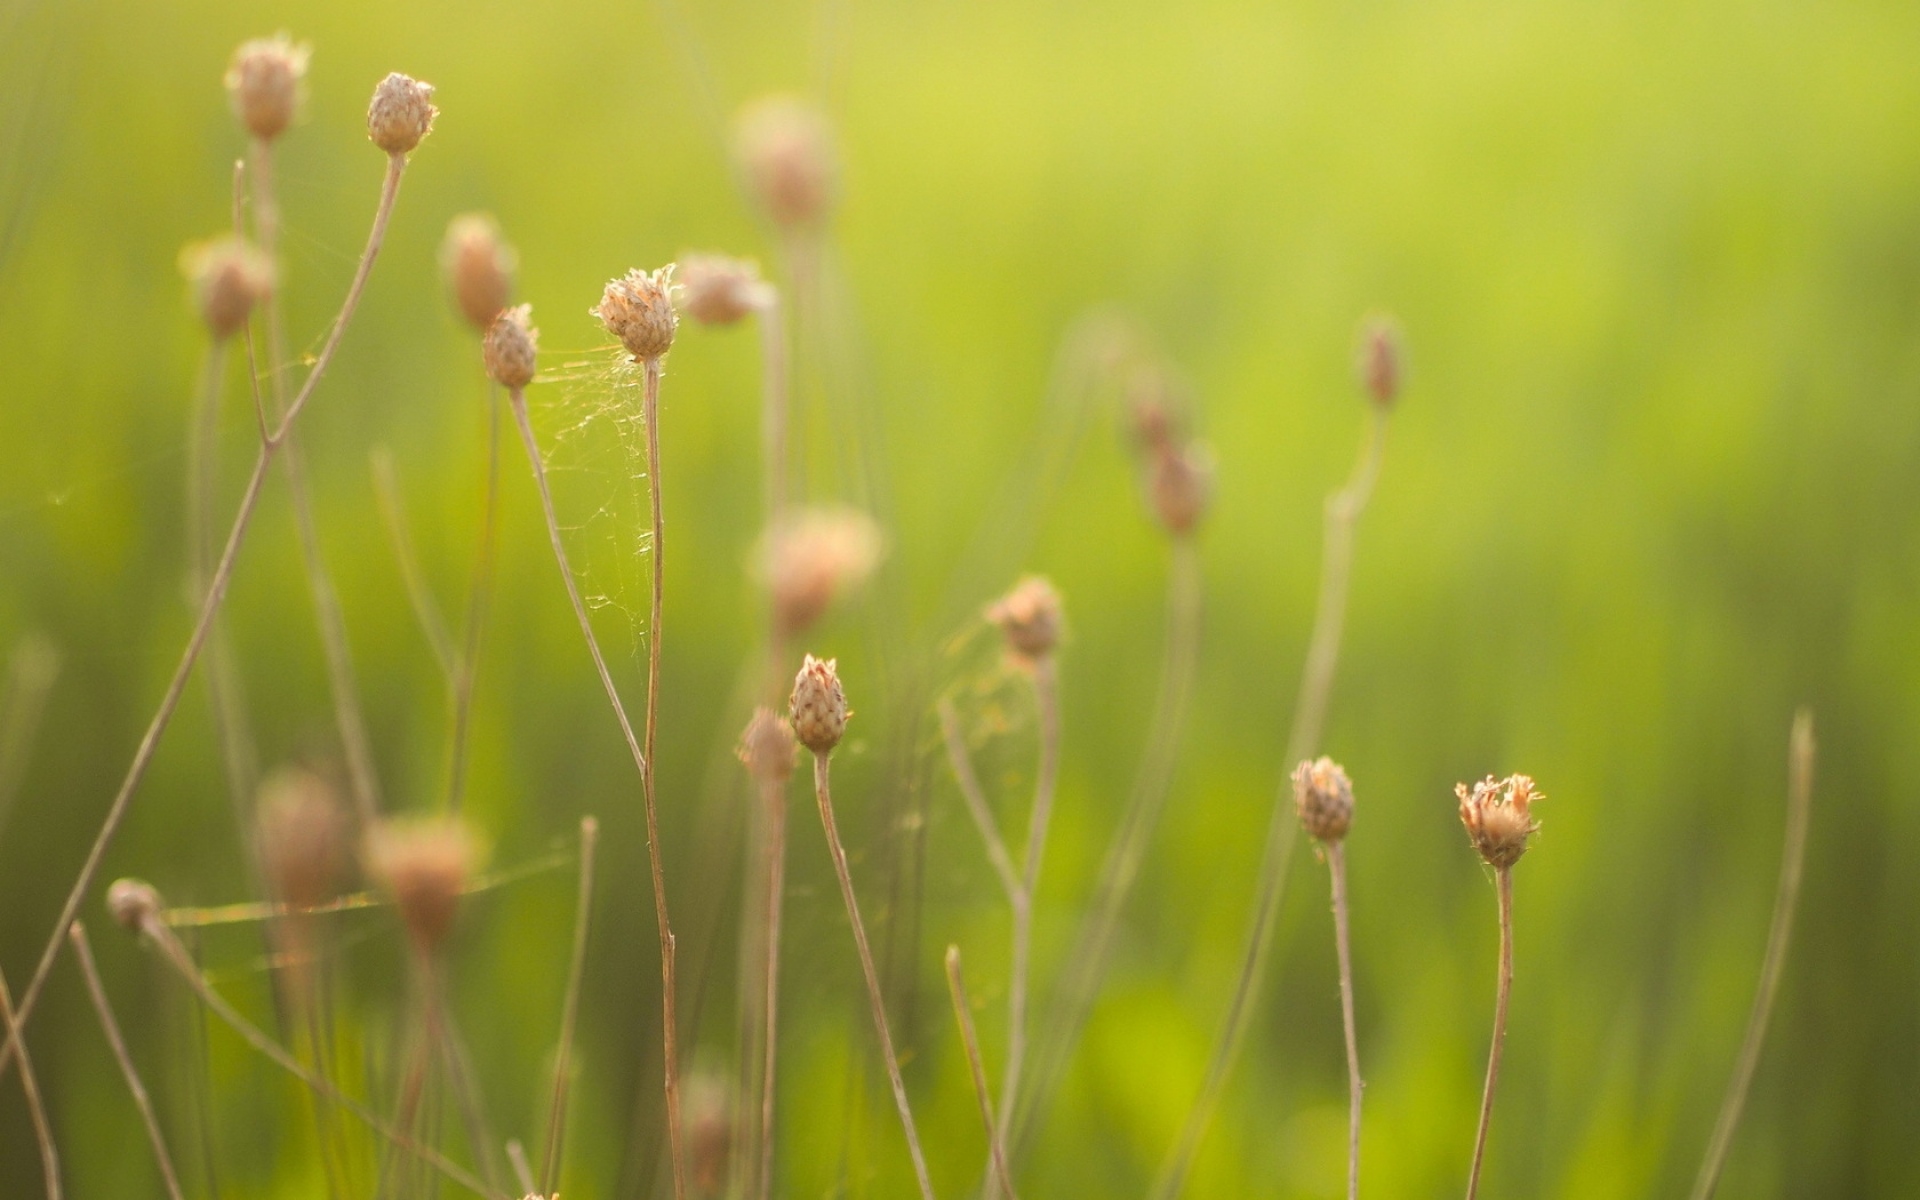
<point x="478" y="264"/>
<point x="301" y="835"/>
<point x="716" y="290"/>
<point x="637" y="308"/>
<point x="425" y="864"/>
<point x="133" y="903"/>
<point x="785" y="148"/>
<point x="266" y="82"/>
<point x="511" y="349"/>
<point x="1496" y="814"/>
<point x="1181" y="484"/>
<point x="819" y="705"/>
<point x="768" y="747"/>
<point x="1380" y="360"/>
<point x="228" y="277"/>
<point x="401" y="113"/>
<point x="814" y="557"/>
<point x="709" y="1112"/>
<point x="1323" y="798"/>
<point x="1029" y="618"/>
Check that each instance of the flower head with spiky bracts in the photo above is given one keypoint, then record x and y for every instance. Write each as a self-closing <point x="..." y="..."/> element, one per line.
<point x="1498" y="817"/>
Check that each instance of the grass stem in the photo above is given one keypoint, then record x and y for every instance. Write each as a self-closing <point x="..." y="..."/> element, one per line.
<point x="1503" y="880"/>
<point x="773" y="802"/>
<point x="83" y="953"/>
<point x="970" y="1042"/>
<point x="1337" y="868"/>
<point x="570" y="1009"/>
<point x="30" y="1087"/>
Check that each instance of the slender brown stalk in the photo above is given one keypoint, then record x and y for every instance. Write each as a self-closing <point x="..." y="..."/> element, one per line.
<point x="517" y="400"/>
<point x="83" y="953"/>
<point x="970" y="1042"/>
<point x="823" y="793"/>
<point x="522" y="1169"/>
<point x="1047" y="700"/>
<point x="773" y="801"/>
<point x="1343" y="511"/>
<point x="570" y="1008"/>
<point x="1337" y="868"/>
<point x="1503" y="880"/>
<point x="479" y="597"/>
<point x="216" y="592"/>
<point x="30" y="1086"/>
<point x="976" y="798"/>
<point x="386" y="492"/>
<point x="773" y="411"/>
<point x="1786" y="898"/>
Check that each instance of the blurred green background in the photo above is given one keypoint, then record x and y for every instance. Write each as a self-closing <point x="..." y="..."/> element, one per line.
<point x="1652" y="485"/>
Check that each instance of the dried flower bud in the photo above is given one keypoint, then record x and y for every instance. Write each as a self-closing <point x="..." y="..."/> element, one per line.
<point x="228" y="277"/>
<point x="424" y="864"/>
<point x="1495" y="812"/>
<point x="785" y="148"/>
<point x="709" y="1133"/>
<point x="1323" y="798"/>
<point x="812" y="558"/>
<point x="401" y="114"/>
<point x="265" y="81"/>
<point x="301" y="837"/>
<point x="768" y="747"/>
<point x="133" y="903"/>
<point x="478" y="264"/>
<point x="716" y="290"/>
<point x="1151" y="405"/>
<point x="1380" y="361"/>
<point x="1029" y="618"/>
<point x="1181" y="483"/>
<point x="511" y="349"/>
<point x="637" y="308"/>
<point x="819" y="705"/>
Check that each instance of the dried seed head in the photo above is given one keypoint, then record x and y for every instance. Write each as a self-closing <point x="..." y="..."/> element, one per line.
<point x="1029" y="618"/>
<point x="478" y="264"/>
<point x="1380" y="360"/>
<point x="1495" y="812"/>
<point x="814" y="556"/>
<point x="1323" y="798"/>
<point x="265" y="81"/>
<point x="1181" y="483"/>
<point x="511" y="349"/>
<point x="133" y="903"/>
<point x="709" y="1133"/>
<point x="637" y="308"/>
<point x="302" y="838"/>
<point x="401" y="113"/>
<point x="424" y="864"/>
<point x="716" y="290"/>
<point x="819" y="705"/>
<point x="228" y="277"/>
<point x="785" y="148"/>
<point x="768" y="747"/>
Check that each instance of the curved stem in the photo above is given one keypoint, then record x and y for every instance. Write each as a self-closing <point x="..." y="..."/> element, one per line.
<point x="970" y="1042"/>
<point x="976" y="799"/>
<point x="83" y="953"/>
<point x="1785" y="900"/>
<point x="1503" y="878"/>
<point x="1047" y="700"/>
<point x="562" y="1067"/>
<point x="1337" y="868"/>
<point x="30" y="1086"/>
<point x="773" y="802"/>
<point x="479" y="597"/>
<point x="823" y="794"/>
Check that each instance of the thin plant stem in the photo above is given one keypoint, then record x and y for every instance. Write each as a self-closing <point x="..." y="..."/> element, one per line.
<point x="1343" y="509"/>
<point x="237" y="914"/>
<point x="30" y="1086"/>
<point x="460" y="1078"/>
<point x="1503" y="881"/>
<point x="83" y="953"/>
<point x="522" y="1169"/>
<point x="1337" y="868"/>
<point x="1800" y="754"/>
<point x="1046" y="693"/>
<point x="976" y="798"/>
<point x="216" y="592"/>
<point x="774" y="403"/>
<point x="823" y="793"/>
<point x="386" y="491"/>
<point x="570" y="1008"/>
<point x="30" y="674"/>
<point x="970" y="1042"/>
<point x="177" y="957"/>
<point x="773" y="801"/>
<point x="517" y="400"/>
<point x="479" y="598"/>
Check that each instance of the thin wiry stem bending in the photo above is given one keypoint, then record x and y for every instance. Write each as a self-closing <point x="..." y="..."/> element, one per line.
<point x="570" y="1011"/>
<point x="177" y="957"/>
<point x="1503" y="880"/>
<point x="30" y="1086"/>
<point x="386" y="492"/>
<point x="83" y="953"/>
<point x="970" y="1042"/>
<point x="1785" y="901"/>
<point x="774" y="390"/>
<point x="216" y="592"/>
<point x="1080" y="983"/>
<point x="1343" y="509"/>
<point x="1047" y="700"/>
<point x="976" y="798"/>
<point x="773" y="801"/>
<point x="479" y="598"/>
<point x="1337" y="868"/>
<point x="823" y="793"/>
<point x="517" y="400"/>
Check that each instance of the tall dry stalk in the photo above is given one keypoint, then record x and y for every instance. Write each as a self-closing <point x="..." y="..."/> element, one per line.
<point x="576" y="964"/>
<point x="1503" y="882"/>
<point x="977" y="1068"/>
<point x="83" y="953"/>
<point x="1800" y="753"/>
<point x="30" y="1087"/>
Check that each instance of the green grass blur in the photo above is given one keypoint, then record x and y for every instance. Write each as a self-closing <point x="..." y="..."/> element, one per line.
<point x="1654" y="483"/>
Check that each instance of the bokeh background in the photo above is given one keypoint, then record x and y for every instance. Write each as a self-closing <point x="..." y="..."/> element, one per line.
<point x="1652" y="485"/>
